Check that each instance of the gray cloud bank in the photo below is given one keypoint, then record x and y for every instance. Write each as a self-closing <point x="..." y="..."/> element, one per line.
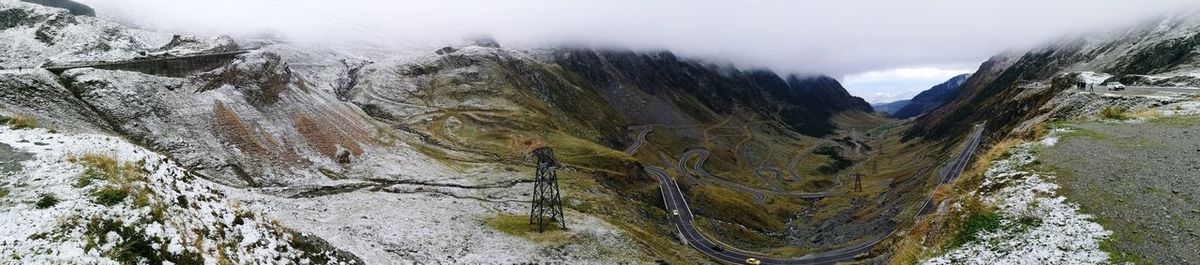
<point x="830" y="37"/>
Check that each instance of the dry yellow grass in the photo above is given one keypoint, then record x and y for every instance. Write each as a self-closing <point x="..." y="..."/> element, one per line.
<point x="1146" y="114"/>
<point x="324" y="137"/>
<point x="911" y="248"/>
<point x="929" y="235"/>
<point x="230" y="127"/>
<point x="19" y="122"/>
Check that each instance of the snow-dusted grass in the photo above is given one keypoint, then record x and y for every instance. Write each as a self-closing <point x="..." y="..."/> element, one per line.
<point x="1035" y="226"/>
<point x="19" y="122"/>
<point x="51" y="217"/>
<point x="417" y="227"/>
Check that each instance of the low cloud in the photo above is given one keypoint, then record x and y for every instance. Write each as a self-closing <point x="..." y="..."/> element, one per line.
<point x="897" y="84"/>
<point x="838" y="38"/>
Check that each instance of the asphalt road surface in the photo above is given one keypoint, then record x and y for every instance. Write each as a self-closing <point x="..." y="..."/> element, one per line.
<point x="640" y="140"/>
<point x="683" y="219"/>
<point x="698" y="167"/>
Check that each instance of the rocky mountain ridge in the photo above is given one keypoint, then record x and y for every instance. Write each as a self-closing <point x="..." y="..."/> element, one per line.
<point x="932" y="98"/>
<point x="1010" y="89"/>
<point x="890" y="107"/>
<point x="290" y="129"/>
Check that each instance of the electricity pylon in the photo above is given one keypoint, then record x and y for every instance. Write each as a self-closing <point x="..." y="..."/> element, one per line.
<point x="547" y="206"/>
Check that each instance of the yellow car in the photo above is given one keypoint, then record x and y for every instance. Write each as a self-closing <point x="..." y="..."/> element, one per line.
<point x="753" y="261"/>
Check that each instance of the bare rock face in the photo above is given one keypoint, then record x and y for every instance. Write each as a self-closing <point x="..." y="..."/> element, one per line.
<point x="38" y="94"/>
<point x="247" y="123"/>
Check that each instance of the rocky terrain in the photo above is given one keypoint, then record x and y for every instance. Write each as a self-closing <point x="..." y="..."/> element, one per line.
<point x="1011" y="90"/>
<point x="302" y="153"/>
<point x="1138" y="178"/>
<point x="342" y="144"/>
<point x="1119" y="158"/>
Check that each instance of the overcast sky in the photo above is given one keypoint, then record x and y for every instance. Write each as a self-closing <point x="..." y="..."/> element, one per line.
<point x="881" y="49"/>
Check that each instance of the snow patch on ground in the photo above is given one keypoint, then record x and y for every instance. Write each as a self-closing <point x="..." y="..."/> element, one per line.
<point x="180" y="215"/>
<point x="415" y="225"/>
<point x="1038" y="227"/>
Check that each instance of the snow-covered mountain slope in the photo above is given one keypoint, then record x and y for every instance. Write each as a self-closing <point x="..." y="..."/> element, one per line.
<point x="96" y="199"/>
<point x="257" y="122"/>
<point x="35" y="35"/>
<point x="415" y="156"/>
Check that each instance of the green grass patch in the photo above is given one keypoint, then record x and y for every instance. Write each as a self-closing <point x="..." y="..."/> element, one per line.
<point x="1115" y="114"/>
<point x="90" y="175"/>
<point x="1075" y="131"/>
<point x="1177" y="121"/>
<point x="578" y="152"/>
<point x="1118" y="256"/>
<point x="518" y="225"/>
<point x="46" y="200"/>
<point x="109" y="196"/>
<point x="976" y="224"/>
<point x="732" y="206"/>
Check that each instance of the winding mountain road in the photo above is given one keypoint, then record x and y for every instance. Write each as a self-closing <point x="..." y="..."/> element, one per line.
<point x="639" y="140"/>
<point x="758" y="196"/>
<point x="674" y="202"/>
<point x="762" y="170"/>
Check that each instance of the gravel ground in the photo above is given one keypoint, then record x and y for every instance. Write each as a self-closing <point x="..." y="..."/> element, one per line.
<point x="10" y="159"/>
<point x="1141" y="179"/>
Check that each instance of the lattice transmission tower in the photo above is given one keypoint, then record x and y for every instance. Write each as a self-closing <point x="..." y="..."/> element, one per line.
<point x="547" y="205"/>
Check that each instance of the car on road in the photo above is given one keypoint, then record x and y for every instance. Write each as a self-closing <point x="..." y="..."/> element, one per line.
<point x="718" y="249"/>
<point x="675" y="212"/>
<point x="1116" y="86"/>
<point x="753" y="261"/>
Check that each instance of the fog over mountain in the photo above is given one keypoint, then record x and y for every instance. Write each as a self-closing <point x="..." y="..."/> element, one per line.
<point x="842" y="38"/>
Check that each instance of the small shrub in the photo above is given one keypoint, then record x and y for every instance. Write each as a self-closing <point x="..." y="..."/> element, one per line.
<point x="135" y="247"/>
<point x="109" y="196"/>
<point x="3" y="192"/>
<point x="1115" y="114"/>
<point x="46" y="201"/>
